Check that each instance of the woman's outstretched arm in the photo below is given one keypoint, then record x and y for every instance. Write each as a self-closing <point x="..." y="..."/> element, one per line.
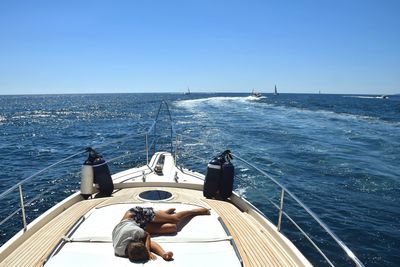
<point x="148" y="243"/>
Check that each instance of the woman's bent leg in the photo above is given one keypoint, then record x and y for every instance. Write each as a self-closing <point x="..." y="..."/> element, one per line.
<point x="163" y="216"/>
<point x="161" y="228"/>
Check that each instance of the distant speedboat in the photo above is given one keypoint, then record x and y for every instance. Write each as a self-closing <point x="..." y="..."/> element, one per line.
<point x="255" y="93"/>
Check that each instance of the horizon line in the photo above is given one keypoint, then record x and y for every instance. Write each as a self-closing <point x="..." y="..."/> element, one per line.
<point x="184" y="93"/>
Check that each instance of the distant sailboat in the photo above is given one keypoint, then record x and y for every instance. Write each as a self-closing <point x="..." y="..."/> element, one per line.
<point x="276" y="91"/>
<point x="188" y="92"/>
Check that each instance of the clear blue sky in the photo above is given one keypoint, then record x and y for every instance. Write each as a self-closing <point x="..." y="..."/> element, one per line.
<point x="336" y="46"/>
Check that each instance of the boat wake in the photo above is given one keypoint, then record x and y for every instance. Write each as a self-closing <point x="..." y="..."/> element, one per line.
<point x="216" y="101"/>
<point x="255" y="98"/>
<point x="366" y="97"/>
<point x="251" y="106"/>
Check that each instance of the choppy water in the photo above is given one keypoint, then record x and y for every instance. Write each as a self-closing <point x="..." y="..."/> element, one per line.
<point x="339" y="154"/>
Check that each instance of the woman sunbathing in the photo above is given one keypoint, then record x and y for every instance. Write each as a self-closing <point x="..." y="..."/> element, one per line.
<point x="131" y="236"/>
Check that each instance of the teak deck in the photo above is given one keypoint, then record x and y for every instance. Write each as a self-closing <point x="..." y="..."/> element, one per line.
<point x="256" y="246"/>
<point x="36" y="248"/>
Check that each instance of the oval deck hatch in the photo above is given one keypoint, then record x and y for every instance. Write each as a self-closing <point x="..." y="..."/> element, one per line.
<point x="155" y="195"/>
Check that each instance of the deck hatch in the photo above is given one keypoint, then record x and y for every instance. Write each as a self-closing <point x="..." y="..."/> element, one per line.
<point x="152" y="195"/>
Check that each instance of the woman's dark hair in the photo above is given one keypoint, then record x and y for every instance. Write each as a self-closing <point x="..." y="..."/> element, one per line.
<point x="137" y="251"/>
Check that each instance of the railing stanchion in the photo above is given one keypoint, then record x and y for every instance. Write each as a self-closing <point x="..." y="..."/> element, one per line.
<point x="280" y="210"/>
<point x="147" y="151"/>
<point x="176" y="148"/>
<point x="172" y="140"/>
<point x="21" y="198"/>
<point x="155" y="140"/>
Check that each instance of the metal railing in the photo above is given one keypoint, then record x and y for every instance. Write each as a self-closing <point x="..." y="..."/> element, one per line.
<point x="151" y="132"/>
<point x="23" y="204"/>
<point x="20" y="189"/>
<point x="284" y="191"/>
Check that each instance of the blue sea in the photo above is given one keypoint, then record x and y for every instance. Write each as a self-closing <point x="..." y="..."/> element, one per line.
<point x="339" y="154"/>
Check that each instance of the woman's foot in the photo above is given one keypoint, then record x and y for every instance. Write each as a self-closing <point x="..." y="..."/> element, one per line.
<point x="168" y="256"/>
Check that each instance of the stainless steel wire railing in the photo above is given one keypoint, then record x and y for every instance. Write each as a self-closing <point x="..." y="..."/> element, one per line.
<point x="284" y="194"/>
<point x="284" y="191"/>
<point x="151" y="132"/>
<point x="20" y="185"/>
